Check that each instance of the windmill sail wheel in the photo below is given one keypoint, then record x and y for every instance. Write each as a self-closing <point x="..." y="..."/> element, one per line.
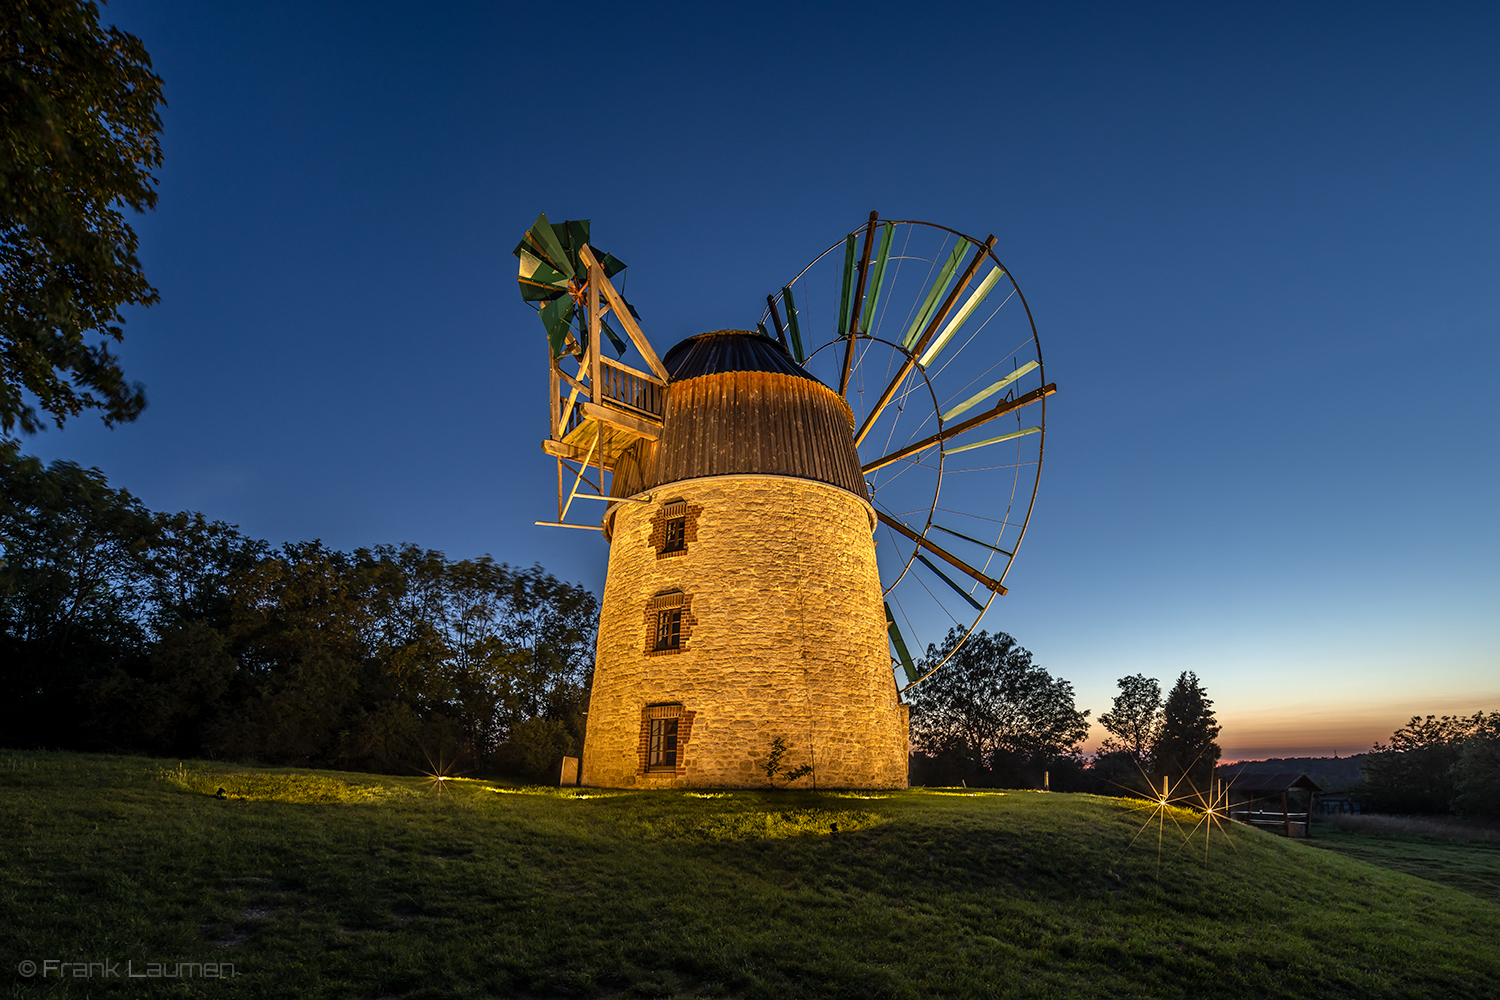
<point x="927" y="336"/>
<point x="737" y="479"/>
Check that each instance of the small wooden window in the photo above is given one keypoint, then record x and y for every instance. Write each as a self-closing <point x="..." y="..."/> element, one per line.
<point x="668" y="622"/>
<point x="669" y="629"/>
<point x="666" y="730"/>
<point x="674" y="528"/>
<point x="662" y="751"/>
<point x="676" y="535"/>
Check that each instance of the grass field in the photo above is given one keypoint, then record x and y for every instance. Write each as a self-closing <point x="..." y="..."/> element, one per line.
<point x="1470" y="863"/>
<point x="320" y="884"/>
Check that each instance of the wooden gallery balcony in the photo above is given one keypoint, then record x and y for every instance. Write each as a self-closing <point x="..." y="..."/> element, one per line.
<point x="596" y="427"/>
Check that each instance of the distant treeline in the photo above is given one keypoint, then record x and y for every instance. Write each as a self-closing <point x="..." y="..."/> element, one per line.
<point x="1432" y="765"/>
<point x="123" y="629"/>
<point x="1437" y="765"/>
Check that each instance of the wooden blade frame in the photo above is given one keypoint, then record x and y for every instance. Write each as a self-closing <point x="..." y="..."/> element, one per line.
<point x="854" y="307"/>
<point x="933" y="326"/>
<point x="1000" y="409"/>
<point x="941" y="553"/>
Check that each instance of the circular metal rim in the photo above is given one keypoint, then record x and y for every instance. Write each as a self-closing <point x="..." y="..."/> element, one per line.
<point x="1042" y="437"/>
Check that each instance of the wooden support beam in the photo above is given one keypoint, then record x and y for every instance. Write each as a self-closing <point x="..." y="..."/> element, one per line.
<point x="941" y="553"/>
<point x="566" y="452"/>
<point x="921" y="345"/>
<point x="776" y="318"/>
<point x="576" y="385"/>
<point x="854" y="306"/>
<point x="554" y="398"/>
<point x="596" y="327"/>
<point x="1000" y="409"/>
<point x="639" y="426"/>
<point x="622" y="366"/>
<point x="622" y="313"/>
<point x="561" y="524"/>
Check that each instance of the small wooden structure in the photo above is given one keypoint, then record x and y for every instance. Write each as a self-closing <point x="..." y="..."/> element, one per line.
<point x="1270" y="801"/>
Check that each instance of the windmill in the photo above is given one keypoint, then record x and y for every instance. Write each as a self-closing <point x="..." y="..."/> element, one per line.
<point x="789" y="513"/>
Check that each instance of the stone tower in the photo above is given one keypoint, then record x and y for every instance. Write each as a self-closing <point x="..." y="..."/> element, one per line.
<point x="742" y="600"/>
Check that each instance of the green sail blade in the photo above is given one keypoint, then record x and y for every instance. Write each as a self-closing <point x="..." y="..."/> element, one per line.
<point x="543" y="284"/>
<point x="939" y="289"/>
<point x="900" y="643"/>
<point x="848" y="292"/>
<point x="994" y="440"/>
<point x="792" y="326"/>
<point x="614" y="338"/>
<point x="980" y="397"/>
<point x="611" y="264"/>
<point x="958" y="319"/>
<point x="949" y="581"/>
<point x="877" y="279"/>
<point x="971" y="538"/>
<point x="541" y="240"/>
<point x="557" y="317"/>
<point x="572" y="234"/>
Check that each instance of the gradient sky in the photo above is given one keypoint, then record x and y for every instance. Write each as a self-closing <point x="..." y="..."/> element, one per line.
<point x="1259" y="241"/>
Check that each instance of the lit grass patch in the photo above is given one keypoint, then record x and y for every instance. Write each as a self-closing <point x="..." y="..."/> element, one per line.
<point x="281" y="785"/>
<point x="766" y="825"/>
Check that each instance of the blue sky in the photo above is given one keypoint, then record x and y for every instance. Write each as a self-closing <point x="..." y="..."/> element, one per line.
<point x="1259" y="242"/>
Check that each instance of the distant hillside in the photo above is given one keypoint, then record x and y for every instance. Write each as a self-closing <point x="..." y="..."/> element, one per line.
<point x="1333" y="774"/>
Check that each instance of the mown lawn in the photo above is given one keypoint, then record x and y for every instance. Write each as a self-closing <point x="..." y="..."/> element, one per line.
<point x="319" y="884"/>
<point x="1470" y="865"/>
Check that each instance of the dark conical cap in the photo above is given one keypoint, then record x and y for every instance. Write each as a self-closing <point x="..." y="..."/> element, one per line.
<point x="729" y="351"/>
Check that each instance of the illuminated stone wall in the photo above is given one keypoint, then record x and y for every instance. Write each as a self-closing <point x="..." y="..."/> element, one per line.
<point x="787" y="637"/>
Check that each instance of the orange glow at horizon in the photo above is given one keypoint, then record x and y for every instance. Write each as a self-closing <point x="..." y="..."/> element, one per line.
<point x="1321" y="730"/>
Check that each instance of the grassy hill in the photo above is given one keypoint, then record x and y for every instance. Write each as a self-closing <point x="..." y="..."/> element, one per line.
<point x="321" y="884"/>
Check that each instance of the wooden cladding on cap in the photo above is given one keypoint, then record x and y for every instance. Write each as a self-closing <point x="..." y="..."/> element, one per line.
<point x="749" y="423"/>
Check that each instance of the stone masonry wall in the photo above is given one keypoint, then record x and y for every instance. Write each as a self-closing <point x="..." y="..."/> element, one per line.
<point x="788" y="638"/>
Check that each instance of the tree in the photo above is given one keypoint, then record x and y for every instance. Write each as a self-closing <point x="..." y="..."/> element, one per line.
<point x="1417" y="772"/>
<point x="73" y="578"/>
<point x="1477" y="773"/>
<point x="80" y="138"/>
<point x="1134" y="720"/>
<point x="992" y="714"/>
<point x="1185" y="746"/>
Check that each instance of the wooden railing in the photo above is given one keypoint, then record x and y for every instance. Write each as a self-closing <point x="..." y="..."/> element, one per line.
<point x="575" y="416"/>
<point x="622" y="385"/>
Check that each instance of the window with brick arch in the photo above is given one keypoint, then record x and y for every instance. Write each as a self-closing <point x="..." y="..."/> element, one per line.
<point x="662" y="749"/>
<point x="676" y="535"/>
<point x="669" y="629"/>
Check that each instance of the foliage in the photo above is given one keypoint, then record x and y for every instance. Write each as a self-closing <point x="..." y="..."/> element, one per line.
<point x="72" y="589"/>
<point x="80" y="138"/>
<point x="1434" y="764"/>
<point x="1123" y="763"/>
<point x="1185" y="747"/>
<point x="319" y="889"/>
<point x="1134" y="720"/>
<point x="169" y="633"/>
<point x="1477" y="772"/>
<point x="991" y="716"/>
<point x="773" y="765"/>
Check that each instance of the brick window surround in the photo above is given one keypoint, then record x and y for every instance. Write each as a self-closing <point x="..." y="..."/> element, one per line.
<point x="654" y="717"/>
<point x="674" y="528"/>
<point x="669" y="614"/>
